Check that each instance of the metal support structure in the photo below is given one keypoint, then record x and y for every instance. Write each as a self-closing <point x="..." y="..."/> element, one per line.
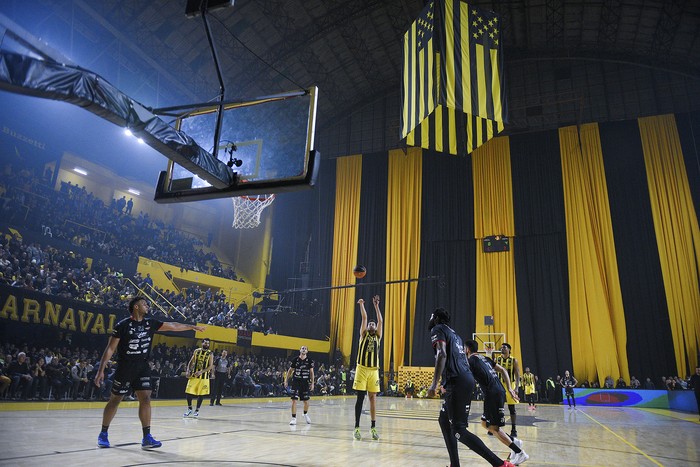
<point x="332" y="287"/>
<point x="222" y="88"/>
<point x="609" y="22"/>
<point x="555" y="22"/>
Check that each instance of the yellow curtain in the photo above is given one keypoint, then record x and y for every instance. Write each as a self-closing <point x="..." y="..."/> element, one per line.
<point x="493" y="215"/>
<point x="402" y="251"/>
<point x="598" y="330"/>
<point x="345" y="237"/>
<point x="677" y="235"/>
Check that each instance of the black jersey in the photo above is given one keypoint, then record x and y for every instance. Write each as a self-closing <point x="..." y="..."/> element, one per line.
<point x="484" y="373"/>
<point x="302" y="368"/>
<point x="135" y="338"/>
<point x="568" y="382"/>
<point x="456" y="364"/>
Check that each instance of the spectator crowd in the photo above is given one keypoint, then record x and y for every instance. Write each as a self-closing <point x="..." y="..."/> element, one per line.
<point x="76" y="215"/>
<point x="29" y="372"/>
<point x="66" y="274"/>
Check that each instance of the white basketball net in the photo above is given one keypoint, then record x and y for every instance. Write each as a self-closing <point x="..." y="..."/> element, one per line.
<point x="247" y="210"/>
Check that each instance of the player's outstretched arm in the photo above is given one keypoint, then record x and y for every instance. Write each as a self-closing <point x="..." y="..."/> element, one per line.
<point x="363" y="326"/>
<point x="380" y="319"/>
<point x="179" y="327"/>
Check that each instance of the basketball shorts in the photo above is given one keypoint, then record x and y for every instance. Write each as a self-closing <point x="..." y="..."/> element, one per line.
<point x="131" y="375"/>
<point x="197" y="386"/>
<point x="458" y="400"/>
<point x="300" y="390"/>
<point x="529" y="389"/>
<point x="494" y="414"/>
<point x="366" y="379"/>
<point x="509" y="398"/>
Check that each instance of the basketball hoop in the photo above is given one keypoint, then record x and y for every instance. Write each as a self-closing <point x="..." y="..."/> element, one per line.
<point x="247" y="210"/>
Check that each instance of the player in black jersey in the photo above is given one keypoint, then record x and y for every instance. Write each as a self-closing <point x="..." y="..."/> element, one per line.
<point x="131" y="339"/>
<point x="302" y="373"/>
<point x="452" y="367"/>
<point x="486" y="373"/>
<point x="569" y="383"/>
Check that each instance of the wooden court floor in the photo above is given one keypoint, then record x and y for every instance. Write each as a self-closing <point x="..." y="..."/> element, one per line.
<point x="256" y="432"/>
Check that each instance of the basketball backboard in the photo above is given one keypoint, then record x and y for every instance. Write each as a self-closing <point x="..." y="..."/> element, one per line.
<point x="267" y="141"/>
<point x="489" y="342"/>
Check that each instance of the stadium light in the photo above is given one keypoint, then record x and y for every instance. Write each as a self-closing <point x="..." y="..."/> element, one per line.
<point x="80" y="170"/>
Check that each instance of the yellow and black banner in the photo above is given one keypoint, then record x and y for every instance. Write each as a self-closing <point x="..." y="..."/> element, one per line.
<point x="452" y="87"/>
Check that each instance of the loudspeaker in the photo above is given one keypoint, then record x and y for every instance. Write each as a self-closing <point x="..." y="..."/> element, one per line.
<point x="488" y="320"/>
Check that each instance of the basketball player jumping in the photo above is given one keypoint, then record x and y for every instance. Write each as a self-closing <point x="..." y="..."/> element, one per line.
<point x="199" y="370"/>
<point x="367" y="370"/>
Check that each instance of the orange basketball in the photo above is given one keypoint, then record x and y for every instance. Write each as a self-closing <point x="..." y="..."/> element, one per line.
<point x="359" y="271"/>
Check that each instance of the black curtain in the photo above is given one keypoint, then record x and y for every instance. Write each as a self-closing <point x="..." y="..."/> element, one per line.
<point x="639" y="268"/>
<point x="371" y="247"/>
<point x="302" y="235"/>
<point x="322" y="235"/>
<point x="447" y="250"/>
<point x="540" y="253"/>
<point x="689" y="132"/>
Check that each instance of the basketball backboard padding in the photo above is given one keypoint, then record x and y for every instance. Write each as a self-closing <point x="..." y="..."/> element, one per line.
<point x="165" y="196"/>
<point x="27" y="75"/>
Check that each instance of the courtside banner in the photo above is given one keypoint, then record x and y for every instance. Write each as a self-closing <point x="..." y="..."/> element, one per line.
<point x="35" y="308"/>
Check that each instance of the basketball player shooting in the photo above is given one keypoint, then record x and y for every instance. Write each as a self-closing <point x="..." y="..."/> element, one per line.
<point x="367" y="370"/>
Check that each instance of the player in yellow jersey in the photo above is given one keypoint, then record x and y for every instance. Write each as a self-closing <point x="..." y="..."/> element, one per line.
<point x="199" y="371"/>
<point x="367" y="370"/>
<point x="529" y="387"/>
<point x="511" y="365"/>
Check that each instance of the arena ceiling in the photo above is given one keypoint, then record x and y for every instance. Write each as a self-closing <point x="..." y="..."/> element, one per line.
<point x="566" y="61"/>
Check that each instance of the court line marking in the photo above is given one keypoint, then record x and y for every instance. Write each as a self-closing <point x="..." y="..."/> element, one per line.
<point x="623" y="439"/>
<point x="686" y="417"/>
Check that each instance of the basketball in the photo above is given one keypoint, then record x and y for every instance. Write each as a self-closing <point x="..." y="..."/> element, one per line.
<point x="359" y="271"/>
